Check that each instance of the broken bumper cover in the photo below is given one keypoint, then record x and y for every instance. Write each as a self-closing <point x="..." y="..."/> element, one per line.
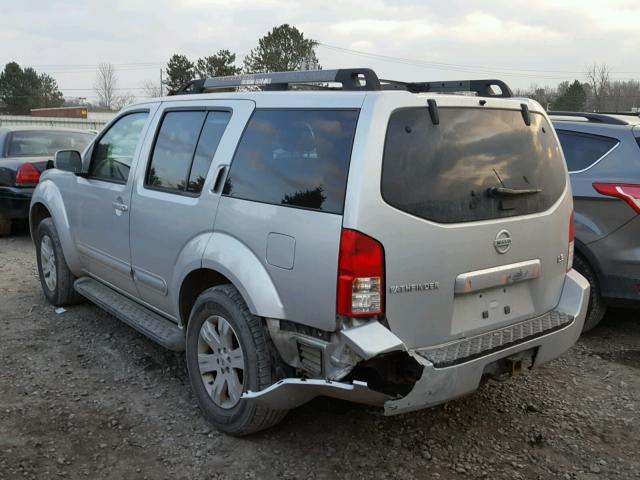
<point x="438" y="385"/>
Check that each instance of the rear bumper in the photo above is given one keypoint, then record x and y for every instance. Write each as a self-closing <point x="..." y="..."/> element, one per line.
<point x="438" y="385"/>
<point x="14" y="202"/>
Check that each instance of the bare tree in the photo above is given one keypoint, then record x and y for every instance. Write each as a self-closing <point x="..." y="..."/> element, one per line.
<point x="121" y="101"/>
<point x="151" y="89"/>
<point x="106" y="86"/>
<point x="598" y="78"/>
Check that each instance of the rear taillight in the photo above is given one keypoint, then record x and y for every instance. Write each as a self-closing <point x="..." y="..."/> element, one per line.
<point x="626" y="192"/>
<point x="27" y="175"/>
<point x="360" y="276"/>
<point x="572" y="242"/>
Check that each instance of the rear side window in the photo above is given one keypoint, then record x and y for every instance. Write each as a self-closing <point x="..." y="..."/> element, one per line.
<point x="447" y="172"/>
<point x="297" y="158"/>
<point x="184" y="148"/>
<point x="583" y="150"/>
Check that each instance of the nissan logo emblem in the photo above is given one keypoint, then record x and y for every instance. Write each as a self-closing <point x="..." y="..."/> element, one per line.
<point x="502" y="243"/>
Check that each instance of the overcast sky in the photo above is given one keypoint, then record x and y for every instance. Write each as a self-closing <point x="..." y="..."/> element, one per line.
<point x="522" y="42"/>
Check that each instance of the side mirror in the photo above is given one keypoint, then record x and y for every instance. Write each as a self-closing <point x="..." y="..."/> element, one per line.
<point x="68" y="160"/>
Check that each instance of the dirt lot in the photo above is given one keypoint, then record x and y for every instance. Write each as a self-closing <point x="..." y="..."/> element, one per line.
<point x="84" y="396"/>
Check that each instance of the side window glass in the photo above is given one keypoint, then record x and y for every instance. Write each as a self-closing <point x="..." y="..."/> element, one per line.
<point x="583" y="150"/>
<point x="174" y="149"/>
<point x="296" y="158"/>
<point x="113" y="153"/>
<point x="214" y="127"/>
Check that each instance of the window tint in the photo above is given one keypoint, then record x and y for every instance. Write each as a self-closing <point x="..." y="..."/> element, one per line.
<point x="212" y="131"/>
<point x="174" y="149"/>
<point x="294" y="157"/>
<point x="444" y="172"/>
<point x="583" y="150"/>
<point x="44" y="143"/>
<point x="113" y="154"/>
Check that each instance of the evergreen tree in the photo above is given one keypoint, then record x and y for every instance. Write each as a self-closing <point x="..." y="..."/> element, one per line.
<point x="573" y="99"/>
<point x="283" y="49"/>
<point x="23" y="89"/>
<point x="180" y="71"/>
<point x="218" y="65"/>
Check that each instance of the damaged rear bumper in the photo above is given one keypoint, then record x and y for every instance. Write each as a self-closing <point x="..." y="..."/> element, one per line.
<point x="439" y="384"/>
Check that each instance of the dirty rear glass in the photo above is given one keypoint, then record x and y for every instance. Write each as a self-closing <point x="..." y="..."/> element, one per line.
<point x="448" y="172"/>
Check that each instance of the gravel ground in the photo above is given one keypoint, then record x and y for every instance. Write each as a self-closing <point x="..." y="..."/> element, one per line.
<point x="84" y="396"/>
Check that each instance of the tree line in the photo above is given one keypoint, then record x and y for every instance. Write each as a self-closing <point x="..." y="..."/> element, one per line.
<point x="597" y="93"/>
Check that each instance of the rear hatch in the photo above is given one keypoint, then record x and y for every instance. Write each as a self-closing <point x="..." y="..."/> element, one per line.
<point x="474" y="219"/>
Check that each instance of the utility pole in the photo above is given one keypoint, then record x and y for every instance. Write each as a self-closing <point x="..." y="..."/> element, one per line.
<point x="160" y="82"/>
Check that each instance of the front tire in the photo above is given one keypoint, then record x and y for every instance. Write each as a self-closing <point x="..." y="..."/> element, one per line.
<point x="228" y="353"/>
<point x="597" y="307"/>
<point x="55" y="277"/>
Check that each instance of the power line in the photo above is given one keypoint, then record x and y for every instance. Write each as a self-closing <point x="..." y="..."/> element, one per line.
<point x="506" y="71"/>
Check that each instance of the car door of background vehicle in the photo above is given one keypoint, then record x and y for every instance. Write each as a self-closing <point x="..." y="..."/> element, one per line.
<point x="175" y="197"/>
<point x="99" y="203"/>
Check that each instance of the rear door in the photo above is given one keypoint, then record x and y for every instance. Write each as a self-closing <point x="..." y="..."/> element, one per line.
<point x="175" y="198"/>
<point x="473" y="214"/>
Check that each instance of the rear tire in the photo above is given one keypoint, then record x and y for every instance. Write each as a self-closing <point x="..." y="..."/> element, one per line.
<point x="597" y="307"/>
<point x="55" y="277"/>
<point x="5" y="226"/>
<point x="228" y="353"/>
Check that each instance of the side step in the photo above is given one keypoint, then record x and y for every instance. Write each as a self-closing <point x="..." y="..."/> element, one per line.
<point x="149" y="323"/>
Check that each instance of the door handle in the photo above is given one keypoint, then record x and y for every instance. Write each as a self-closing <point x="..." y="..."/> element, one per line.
<point x="120" y="206"/>
<point x="218" y="178"/>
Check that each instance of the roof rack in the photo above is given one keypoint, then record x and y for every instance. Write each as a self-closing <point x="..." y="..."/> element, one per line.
<point x="350" y="78"/>
<point x="483" y="88"/>
<point x="607" y="119"/>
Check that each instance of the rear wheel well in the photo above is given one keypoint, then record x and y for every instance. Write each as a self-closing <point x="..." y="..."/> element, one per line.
<point x="193" y="285"/>
<point x="38" y="213"/>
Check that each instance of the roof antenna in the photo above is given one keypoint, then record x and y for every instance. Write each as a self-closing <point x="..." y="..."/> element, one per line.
<point x="433" y="111"/>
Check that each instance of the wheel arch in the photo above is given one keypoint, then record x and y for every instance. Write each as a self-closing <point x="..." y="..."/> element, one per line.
<point x="194" y="283"/>
<point x="47" y="202"/>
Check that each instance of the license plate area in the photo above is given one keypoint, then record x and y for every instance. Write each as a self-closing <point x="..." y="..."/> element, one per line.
<point x="491" y="308"/>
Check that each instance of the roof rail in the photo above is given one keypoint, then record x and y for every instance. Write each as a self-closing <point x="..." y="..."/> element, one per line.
<point x="483" y="88"/>
<point x="591" y="117"/>
<point x="350" y="78"/>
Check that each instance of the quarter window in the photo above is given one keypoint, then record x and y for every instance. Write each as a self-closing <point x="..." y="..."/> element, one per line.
<point x="582" y="150"/>
<point x="113" y="153"/>
<point x="295" y="158"/>
<point x="184" y="149"/>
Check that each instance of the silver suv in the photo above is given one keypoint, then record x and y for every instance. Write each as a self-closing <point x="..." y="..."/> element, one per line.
<point x="603" y="157"/>
<point x="382" y="242"/>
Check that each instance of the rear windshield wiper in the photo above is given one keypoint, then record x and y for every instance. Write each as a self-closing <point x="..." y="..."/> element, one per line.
<point x="511" y="192"/>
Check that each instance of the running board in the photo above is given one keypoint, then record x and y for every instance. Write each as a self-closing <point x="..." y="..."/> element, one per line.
<point x="149" y="323"/>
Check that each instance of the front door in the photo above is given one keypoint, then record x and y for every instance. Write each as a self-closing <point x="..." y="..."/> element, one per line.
<point x="99" y="203"/>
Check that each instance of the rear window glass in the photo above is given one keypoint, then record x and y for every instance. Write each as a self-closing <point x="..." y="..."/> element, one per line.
<point x="449" y="172"/>
<point x="583" y="150"/>
<point x="296" y="158"/>
<point x="43" y="143"/>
